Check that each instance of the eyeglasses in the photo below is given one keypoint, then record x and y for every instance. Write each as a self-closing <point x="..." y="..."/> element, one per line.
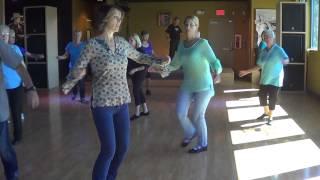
<point x="5" y="34"/>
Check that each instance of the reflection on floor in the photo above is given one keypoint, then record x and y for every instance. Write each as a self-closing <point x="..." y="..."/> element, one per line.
<point x="60" y="141"/>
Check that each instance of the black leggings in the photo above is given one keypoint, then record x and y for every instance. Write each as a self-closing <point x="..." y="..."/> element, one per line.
<point x="137" y="82"/>
<point x="15" y="97"/>
<point x="79" y="87"/>
<point x="272" y="92"/>
<point x="173" y="47"/>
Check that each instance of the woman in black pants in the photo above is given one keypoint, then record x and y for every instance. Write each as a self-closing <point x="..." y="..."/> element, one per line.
<point x="137" y="72"/>
<point x="271" y="60"/>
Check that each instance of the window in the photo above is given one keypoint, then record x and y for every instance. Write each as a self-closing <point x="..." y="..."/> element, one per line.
<point x="314" y="24"/>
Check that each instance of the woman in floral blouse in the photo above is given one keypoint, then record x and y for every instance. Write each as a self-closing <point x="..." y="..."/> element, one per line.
<point x="107" y="55"/>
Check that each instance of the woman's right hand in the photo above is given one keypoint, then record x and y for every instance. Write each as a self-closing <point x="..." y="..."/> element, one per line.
<point x="65" y="88"/>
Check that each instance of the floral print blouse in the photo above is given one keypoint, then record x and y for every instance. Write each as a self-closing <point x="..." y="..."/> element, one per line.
<point x="109" y="83"/>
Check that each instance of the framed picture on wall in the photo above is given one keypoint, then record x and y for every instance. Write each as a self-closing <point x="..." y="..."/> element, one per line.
<point x="164" y="19"/>
<point x="265" y="19"/>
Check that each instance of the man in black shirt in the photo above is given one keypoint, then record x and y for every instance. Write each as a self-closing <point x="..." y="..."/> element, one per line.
<point x="173" y="34"/>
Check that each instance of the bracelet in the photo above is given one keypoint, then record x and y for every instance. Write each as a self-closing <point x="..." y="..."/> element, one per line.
<point x="32" y="88"/>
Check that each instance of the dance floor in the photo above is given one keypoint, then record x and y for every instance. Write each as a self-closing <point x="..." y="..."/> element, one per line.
<point x="60" y="140"/>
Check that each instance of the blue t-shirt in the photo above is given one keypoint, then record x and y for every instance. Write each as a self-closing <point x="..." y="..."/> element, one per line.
<point x="147" y="50"/>
<point x="271" y="63"/>
<point x="74" y="52"/>
<point x="11" y="78"/>
<point x="22" y="50"/>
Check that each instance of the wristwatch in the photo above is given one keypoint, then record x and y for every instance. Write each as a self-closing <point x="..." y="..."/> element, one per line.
<point x="32" y="88"/>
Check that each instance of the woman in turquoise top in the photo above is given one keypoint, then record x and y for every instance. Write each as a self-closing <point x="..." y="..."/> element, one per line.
<point x="271" y="60"/>
<point x="197" y="60"/>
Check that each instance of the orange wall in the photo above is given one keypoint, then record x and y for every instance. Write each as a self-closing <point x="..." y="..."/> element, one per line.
<point x="144" y="16"/>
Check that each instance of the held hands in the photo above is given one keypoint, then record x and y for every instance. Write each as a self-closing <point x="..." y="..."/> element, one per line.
<point x="165" y="61"/>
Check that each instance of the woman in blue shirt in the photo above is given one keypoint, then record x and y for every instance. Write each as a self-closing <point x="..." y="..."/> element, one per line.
<point x="72" y="51"/>
<point x="270" y="60"/>
<point x="14" y="88"/>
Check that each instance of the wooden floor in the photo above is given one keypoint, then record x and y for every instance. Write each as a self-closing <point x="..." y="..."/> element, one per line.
<point x="60" y="141"/>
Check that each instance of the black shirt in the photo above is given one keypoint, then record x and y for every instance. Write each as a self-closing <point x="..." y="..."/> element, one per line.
<point x="174" y="32"/>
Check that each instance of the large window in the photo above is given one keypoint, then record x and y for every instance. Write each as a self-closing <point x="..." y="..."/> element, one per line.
<point x="314" y="24"/>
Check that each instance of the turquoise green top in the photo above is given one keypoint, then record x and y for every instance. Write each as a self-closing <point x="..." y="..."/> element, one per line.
<point x="197" y="62"/>
<point x="271" y="63"/>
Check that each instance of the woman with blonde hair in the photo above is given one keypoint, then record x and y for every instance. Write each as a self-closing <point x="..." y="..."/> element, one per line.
<point x="198" y="61"/>
<point x="107" y="54"/>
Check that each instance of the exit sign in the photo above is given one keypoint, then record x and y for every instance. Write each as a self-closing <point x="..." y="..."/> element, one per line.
<point x="220" y="12"/>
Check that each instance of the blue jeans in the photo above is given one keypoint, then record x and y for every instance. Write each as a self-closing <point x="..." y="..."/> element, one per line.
<point x="197" y="124"/>
<point x="7" y="153"/>
<point x="113" y="126"/>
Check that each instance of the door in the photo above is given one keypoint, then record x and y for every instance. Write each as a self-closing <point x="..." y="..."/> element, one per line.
<point x="220" y="37"/>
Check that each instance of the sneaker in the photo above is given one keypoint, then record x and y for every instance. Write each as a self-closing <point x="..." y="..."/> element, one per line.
<point x="198" y="149"/>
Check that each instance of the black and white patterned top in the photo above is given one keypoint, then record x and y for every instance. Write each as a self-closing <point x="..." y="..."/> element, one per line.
<point x="109" y="83"/>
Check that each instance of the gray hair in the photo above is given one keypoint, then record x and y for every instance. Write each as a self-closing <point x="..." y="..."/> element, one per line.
<point x="4" y="29"/>
<point x="269" y="33"/>
<point x="12" y="33"/>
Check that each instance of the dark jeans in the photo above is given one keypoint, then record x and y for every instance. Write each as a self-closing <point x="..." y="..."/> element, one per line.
<point x="272" y="92"/>
<point x="137" y="83"/>
<point x="15" y="97"/>
<point x="7" y="153"/>
<point x="173" y="47"/>
<point x="79" y="87"/>
<point x="113" y="126"/>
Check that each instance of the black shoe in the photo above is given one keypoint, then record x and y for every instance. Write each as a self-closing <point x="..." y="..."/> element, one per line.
<point x="198" y="149"/>
<point x="187" y="141"/>
<point x="144" y="113"/>
<point x="148" y="92"/>
<point x="262" y="116"/>
<point x="84" y="101"/>
<point x="133" y="117"/>
<point x="73" y="97"/>
<point x="15" y="142"/>
<point x="269" y="121"/>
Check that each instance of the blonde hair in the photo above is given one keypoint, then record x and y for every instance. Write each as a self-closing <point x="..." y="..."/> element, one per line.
<point x="193" y="19"/>
<point x="136" y="38"/>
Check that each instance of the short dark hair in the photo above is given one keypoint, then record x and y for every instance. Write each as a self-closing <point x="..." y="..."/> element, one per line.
<point x="176" y="18"/>
<point x="100" y="13"/>
<point x="144" y="33"/>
